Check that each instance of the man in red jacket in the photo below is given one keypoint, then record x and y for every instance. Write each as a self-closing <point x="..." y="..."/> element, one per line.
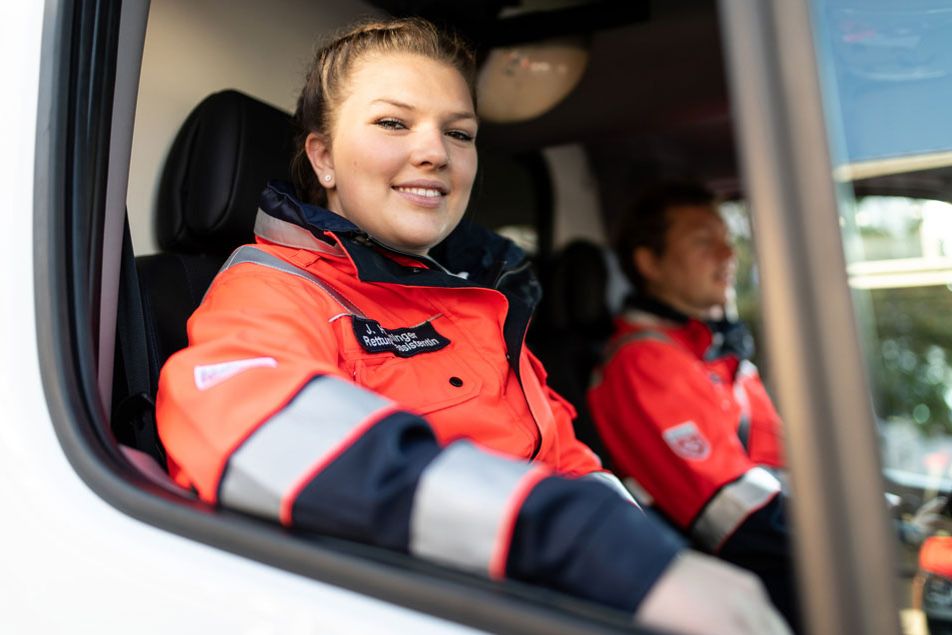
<point x="680" y="408"/>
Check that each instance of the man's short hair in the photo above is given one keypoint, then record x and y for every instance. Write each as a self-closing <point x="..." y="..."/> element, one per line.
<point x="646" y="222"/>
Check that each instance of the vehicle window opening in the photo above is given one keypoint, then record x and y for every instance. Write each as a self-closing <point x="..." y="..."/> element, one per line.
<point x="187" y="262"/>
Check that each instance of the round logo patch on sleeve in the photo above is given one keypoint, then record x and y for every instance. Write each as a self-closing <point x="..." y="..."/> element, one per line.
<point x="687" y="441"/>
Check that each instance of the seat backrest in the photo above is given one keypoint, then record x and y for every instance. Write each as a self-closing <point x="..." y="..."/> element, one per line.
<point x="224" y="154"/>
<point x="573" y="325"/>
<point x="222" y="158"/>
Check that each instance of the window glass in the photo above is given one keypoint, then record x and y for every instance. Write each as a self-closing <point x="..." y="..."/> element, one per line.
<point x="890" y="64"/>
<point x="900" y="272"/>
<point x="886" y="74"/>
<point x="904" y="270"/>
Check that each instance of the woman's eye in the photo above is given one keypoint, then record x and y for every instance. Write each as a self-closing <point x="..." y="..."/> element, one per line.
<point x="390" y="124"/>
<point x="461" y="135"/>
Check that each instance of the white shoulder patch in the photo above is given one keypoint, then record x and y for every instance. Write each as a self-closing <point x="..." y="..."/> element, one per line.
<point x="214" y="374"/>
<point x="687" y="441"/>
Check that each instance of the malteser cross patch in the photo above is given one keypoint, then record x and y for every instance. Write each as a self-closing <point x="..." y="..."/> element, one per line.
<point x="404" y="342"/>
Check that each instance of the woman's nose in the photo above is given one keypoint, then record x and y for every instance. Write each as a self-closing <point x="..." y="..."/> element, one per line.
<point x="430" y="149"/>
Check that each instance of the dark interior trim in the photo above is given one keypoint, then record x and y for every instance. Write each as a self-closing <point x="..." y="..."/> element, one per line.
<point x="582" y="19"/>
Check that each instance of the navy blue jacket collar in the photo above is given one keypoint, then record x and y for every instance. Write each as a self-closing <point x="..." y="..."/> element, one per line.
<point x="649" y="304"/>
<point x="729" y="337"/>
<point x="278" y="200"/>
<point x="484" y="256"/>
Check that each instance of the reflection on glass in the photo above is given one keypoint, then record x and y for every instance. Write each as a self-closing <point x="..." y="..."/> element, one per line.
<point x="892" y="72"/>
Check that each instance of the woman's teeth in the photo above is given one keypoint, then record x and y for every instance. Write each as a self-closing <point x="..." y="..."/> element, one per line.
<point x="420" y="191"/>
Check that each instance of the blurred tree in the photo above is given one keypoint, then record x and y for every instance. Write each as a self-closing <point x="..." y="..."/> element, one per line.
<point x="912" y="376"/>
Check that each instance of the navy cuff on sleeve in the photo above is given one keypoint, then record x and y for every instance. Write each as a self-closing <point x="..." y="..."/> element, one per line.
<point x="582" y="538"/>
<point x="762" y="545"/>
<point x="366" y="493"/>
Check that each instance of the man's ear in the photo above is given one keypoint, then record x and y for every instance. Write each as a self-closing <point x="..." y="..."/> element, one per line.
<point x="646" y="263"/>
<point x="318" y="152"/>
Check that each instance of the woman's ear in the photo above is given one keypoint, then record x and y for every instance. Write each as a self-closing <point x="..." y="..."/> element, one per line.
<point x="319" y="154"/>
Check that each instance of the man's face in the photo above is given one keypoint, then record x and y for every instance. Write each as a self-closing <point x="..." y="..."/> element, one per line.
<point x="696" y="269"/>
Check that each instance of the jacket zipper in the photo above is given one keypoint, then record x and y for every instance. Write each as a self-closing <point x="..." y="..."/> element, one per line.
<point x="525" y="265"/>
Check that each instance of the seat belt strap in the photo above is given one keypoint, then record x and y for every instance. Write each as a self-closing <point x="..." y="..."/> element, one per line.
<point x="137" y="409"/>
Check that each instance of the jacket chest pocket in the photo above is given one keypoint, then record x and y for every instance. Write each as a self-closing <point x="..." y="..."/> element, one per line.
<point x="424" y="383"/>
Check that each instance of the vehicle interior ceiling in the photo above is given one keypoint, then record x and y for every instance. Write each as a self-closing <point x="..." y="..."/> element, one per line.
<point x="652" y="101"/>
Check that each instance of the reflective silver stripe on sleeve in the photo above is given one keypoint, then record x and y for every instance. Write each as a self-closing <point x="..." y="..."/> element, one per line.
<point x="612" y="481"/>
<point x="461" y="506"/>
<point x="288" y="234"/>
<point x="285" y="448"/>
<point x="248" y="253"/>
<point x="732" y="505"/>
<point x="639" y="492"/>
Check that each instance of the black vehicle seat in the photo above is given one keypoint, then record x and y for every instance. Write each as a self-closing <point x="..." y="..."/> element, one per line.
<point x="224" y="154"/>
<point x="226" y="151"/>
<point x="573" y="325"/>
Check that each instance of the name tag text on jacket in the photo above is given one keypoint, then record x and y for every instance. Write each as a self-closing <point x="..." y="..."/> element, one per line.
<point x="403" y="342"/>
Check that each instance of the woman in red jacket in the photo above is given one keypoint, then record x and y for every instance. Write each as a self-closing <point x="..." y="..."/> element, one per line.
<point x="361" y="370"/>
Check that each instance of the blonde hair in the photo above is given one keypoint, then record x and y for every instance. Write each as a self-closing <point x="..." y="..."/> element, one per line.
<point x="326" y="82"/>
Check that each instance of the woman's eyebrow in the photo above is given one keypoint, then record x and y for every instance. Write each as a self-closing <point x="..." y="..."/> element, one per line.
<point x="393" y="102"/>
<point x="464" y="114"/>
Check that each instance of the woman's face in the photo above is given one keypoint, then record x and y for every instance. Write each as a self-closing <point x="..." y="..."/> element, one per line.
<point x="402" y="154"/>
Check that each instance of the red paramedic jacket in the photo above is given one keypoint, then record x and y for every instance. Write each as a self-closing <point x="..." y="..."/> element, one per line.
<point x="337" y="386"/>
<point x="692" y="428"/>
<point x="691" y="424"/>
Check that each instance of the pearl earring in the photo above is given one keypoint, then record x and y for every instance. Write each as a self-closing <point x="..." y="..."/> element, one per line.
<point x="327" y="177"/>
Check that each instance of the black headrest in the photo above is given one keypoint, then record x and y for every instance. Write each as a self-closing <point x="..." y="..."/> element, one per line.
<point x="577" y="290"/>
<point x="230" y="146"/>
